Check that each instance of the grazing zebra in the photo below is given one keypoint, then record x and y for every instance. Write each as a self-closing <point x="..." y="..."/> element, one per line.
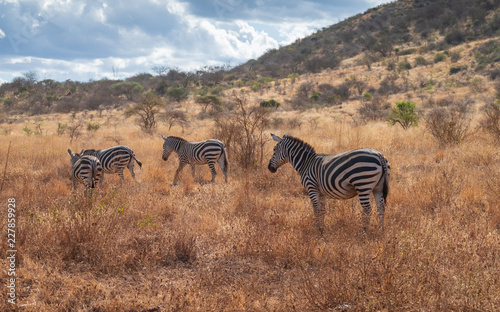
<point x="115" y="159"/>
<point x="343" y="176"/>
<point x="86" y="169"/>
<point x="196" y="153"/>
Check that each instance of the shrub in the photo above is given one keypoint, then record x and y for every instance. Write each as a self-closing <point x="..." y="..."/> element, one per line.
<point x="243" y="131"/>
<point x="457" y="69"/>
<point x="270" y="103"/>
<point x="405" y="113"/>
<point x="491" y="119"/>
<point x="450" y="124"/>
<point x="404" y="65"/>
<point x="439" y="57"/>
<point x="177" y="94"/>
<point x="373" y="108"/>
<point x="315" y="96"/>
<point x="129" y="89"/>
<point x="93" y="127"/>
<point x="420" y="61"/>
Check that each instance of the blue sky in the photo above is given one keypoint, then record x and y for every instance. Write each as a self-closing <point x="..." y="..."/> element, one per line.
<point x="116" y="39"/>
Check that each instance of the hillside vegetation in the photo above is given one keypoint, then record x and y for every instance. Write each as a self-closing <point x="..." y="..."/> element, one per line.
<point x="430" y="106"/>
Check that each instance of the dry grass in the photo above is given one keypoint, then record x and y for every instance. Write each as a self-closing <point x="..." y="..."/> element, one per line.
<point x="251" y="244"/>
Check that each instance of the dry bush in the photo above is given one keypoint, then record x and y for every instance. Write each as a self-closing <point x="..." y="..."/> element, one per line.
<point x="242" y="130"/>
<point x="376" y="108"/>
<point x="450" y="124"/>
<point x="491" y="119"/>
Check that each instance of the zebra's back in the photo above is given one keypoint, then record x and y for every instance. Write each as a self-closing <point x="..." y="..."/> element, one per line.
<point x="200" y="153"/>
<point x="347" y="174"/>
<point x="114" y="158"/>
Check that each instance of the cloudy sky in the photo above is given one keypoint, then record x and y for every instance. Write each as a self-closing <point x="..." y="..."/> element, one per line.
<point x="116" y="39"/>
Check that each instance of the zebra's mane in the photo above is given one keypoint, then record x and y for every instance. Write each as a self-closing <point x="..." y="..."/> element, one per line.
<point x="177" y="138"/>
<point x="308" y="148"/>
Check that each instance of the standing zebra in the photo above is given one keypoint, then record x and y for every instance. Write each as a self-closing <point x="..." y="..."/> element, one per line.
<point x="196" y="153"/>
<point x="86" y="169"/>
<point x="343" y="176"/>
<point x="115" y="159"/>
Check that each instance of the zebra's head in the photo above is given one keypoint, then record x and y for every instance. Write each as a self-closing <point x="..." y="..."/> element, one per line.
<point x="167" y="148"/>
<point x="74" y="157"/>
<point x="279" y="155"/>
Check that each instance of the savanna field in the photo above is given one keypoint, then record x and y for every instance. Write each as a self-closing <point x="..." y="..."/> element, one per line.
<point x="251" y="244"/>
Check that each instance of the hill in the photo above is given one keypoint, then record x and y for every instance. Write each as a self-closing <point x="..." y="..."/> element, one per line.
<point x="397" y="28"/>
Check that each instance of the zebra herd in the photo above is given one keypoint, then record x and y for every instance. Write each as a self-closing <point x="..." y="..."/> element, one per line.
<point x="357" y="172"/>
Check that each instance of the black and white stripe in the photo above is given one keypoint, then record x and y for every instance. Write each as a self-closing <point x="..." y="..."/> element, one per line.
<point x="343" y="176"/>
<point x="196" y="153"/>
<point x="115" y="159"/>
<point x="85" y="169"/>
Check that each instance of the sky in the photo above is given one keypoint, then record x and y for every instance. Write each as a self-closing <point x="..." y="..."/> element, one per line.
<point x="116" y="39"/>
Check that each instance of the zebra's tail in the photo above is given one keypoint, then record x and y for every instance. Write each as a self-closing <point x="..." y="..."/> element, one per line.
<point x="93" y="181"/>
<point x="137" y="161"/>
<point x="387" y="172"/>
<point x="226" y="164"/>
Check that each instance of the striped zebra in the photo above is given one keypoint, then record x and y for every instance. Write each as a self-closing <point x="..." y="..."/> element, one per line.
<point x="343" y="176"/>
<point x="115" y="159"/>
<point x="86" y="169"/>
<point x="196" y="153"/>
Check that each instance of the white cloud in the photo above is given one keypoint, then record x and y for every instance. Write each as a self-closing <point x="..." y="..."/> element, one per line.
<point x="78" y="40"/>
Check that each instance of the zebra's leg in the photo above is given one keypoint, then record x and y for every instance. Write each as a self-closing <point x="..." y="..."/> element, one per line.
<point x="319" y="208"/>
<point x="212" y="170"/>
<point x="193" y="170"/>
<point x="74" y="184"/>
<point x="224" y="169"/>
<point x="120" y="174"/>
<point x="179" y="169"/>
<point x="379" y="198"/>
<point x="131" y="168"/>
<point x="364" y="199"/>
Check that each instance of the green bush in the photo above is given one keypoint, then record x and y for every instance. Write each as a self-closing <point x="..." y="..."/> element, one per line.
<point x="270" y="103"/>
<point x="93" y="127"/>
<point x="439" y="57"/>
<point x="405" y="113"/>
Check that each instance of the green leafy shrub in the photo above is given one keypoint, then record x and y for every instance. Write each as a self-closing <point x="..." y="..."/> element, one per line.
<point x="439" y="57"/>
<point x="270" y="103"/>
<point x="405" y="114"/>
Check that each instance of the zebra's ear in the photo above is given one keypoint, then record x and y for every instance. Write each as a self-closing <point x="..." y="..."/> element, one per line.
<point x="276" y="138"/>
<point x="164" y="138"/>
<point x="69" y="152"/>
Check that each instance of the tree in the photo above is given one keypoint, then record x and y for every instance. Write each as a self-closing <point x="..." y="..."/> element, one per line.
<point x="405" y="113"/>
<point x="147" y="111"/>
<point x="172" y="117"/>
<point x="128" y="88"/>
<point x="208" y="100"/>
<point x="177" y="94"/>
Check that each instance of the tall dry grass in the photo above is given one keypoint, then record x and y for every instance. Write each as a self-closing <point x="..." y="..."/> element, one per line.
<point x="251" y="244"/>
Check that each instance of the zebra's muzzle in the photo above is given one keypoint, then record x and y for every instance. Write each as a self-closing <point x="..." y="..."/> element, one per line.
<point x="271" y="168"/>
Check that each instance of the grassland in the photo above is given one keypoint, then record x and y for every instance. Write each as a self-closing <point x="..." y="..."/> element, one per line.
<point x="251" y="244"/>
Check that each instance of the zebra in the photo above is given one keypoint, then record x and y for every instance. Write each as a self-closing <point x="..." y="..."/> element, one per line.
<point x="343" y="176"/>
<point x="196" y="153"/>
<point x="86" y="169"/>
<point x="115" y="159"/>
